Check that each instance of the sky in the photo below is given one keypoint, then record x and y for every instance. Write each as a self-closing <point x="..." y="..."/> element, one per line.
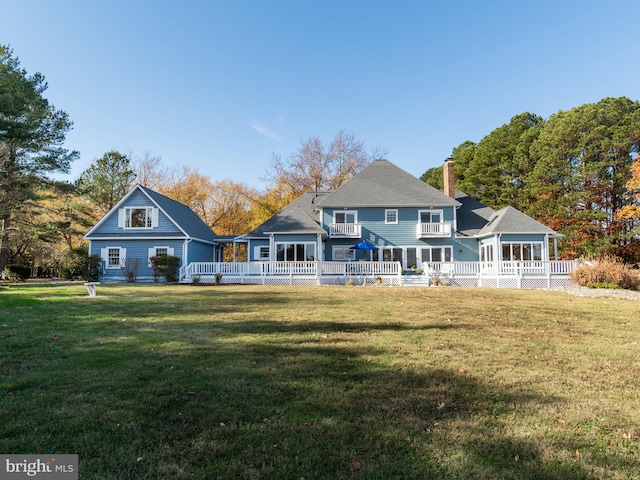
<point x="224" y="86"/>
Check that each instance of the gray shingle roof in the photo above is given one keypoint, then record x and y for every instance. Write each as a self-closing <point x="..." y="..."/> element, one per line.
<point x="181" y="215"/>
<point x="382" y="184"/>
<point x="300" y="216"/>
<point x="472" y="215"/>
<point x="510" y="220"/>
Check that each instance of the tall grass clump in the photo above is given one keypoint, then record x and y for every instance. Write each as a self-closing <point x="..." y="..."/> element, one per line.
<point x="606" y="272"/>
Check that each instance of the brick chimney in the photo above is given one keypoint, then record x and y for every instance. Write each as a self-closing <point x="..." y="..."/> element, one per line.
<point x="449" y="178"/>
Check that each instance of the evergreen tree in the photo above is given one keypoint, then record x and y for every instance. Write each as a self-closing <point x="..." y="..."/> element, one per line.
<point x="32" y="132"/>
<point x="583" y="159"/>
<point x="497" y="173"/>
<point x="106" y="181"/>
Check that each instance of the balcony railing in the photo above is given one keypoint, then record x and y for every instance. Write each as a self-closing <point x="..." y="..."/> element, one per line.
<point x="431" y="230"/>
<point x="345" y="230"/>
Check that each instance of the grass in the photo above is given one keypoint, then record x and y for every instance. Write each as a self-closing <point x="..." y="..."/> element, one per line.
<point x="194" y="382"/>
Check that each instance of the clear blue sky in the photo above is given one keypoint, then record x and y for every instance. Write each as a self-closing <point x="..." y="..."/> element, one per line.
<point x="223" y="85"/>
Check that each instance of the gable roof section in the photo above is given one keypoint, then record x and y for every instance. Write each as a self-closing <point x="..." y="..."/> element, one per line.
<point x="185" y="219"/>
<point x="382" y="184"/>
<point x="510" y="220"/>
<point x="299" y="217"/>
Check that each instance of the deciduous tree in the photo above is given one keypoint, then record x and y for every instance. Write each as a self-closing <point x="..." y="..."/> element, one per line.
<point x="315" y="167"/>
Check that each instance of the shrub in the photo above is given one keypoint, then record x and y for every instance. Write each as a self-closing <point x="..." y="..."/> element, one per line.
<point x="166" y="265"/>
<point x="607" y="271"/>
<point x="92" y="272"/>
<point x="172" y="264"/>
<point x="130" y="269"/>
<point x="611" y="286"/>
<point x="76" y="264"/>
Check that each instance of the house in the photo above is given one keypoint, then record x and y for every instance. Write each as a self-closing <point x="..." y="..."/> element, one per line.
<point x="146" y="224"/>
<point x="404" y="219"/>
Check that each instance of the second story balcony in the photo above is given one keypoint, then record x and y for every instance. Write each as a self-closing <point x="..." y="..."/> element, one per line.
<point x="345" y="230"/>
<point x="433" y="230"/>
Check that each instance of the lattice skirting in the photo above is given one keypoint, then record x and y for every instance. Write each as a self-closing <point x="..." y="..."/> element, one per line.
<point x="486" y="282"/>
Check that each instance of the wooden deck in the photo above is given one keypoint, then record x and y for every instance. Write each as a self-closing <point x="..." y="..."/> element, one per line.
<point x="516" y="274"/>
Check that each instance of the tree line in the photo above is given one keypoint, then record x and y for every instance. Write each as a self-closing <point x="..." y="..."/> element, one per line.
<point x="577" y="172"/>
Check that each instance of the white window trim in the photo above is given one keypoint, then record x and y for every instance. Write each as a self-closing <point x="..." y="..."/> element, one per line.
<point x="306" y="244"/>
<point x="520" y="244"/>
<point x="257" y="253"/>
<point x="346" y="212"/>
<point x="441" y="212"/>
<point x="386" y="216"/>
<point x="124" y="217"/>
<point x="443" y="251"/>
<point x="345" y="249"/>
<point x="153" y="252"/>
<point x="104" y="254"/>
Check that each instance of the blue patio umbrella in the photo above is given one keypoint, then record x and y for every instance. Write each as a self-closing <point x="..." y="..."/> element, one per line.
<point x="365" y="245"/>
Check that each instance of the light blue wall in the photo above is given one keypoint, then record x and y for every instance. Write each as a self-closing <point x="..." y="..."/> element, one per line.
<point x="199" y="252"/>
<point x="402" y="234"/>
<point x="466" y="250"/>
<point x="252" y="247"/>
<point x="135" y="249"/>
<point x="377" y="231"/>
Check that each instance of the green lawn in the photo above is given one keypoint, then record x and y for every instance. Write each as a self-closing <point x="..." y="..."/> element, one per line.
<point x="204" y="382"/>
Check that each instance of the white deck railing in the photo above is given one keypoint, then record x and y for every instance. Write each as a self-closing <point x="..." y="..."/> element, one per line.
<point x="345" y="230"/>
<point x="533" y="267"/>
<point x="374" y="269"/>
<point x="429" y="230"/>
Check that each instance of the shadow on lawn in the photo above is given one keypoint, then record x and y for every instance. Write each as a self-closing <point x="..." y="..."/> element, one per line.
<point x="218" y="399"/>
<point x="276" y="410"/>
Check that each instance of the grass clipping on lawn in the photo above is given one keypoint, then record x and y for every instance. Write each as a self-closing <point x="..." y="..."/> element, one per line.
<point x="192" y="382"/>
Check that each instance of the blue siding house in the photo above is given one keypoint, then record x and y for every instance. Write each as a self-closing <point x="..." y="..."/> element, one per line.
<point x="145" y="224"/>
<point x="384" y="222"/>
<point x="404" y="219"/>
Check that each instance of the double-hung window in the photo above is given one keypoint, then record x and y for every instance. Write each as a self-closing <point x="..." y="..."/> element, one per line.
<point x="391" y="216"/>
<point x="158" y="252"/>
<point x="113" y="257"/>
